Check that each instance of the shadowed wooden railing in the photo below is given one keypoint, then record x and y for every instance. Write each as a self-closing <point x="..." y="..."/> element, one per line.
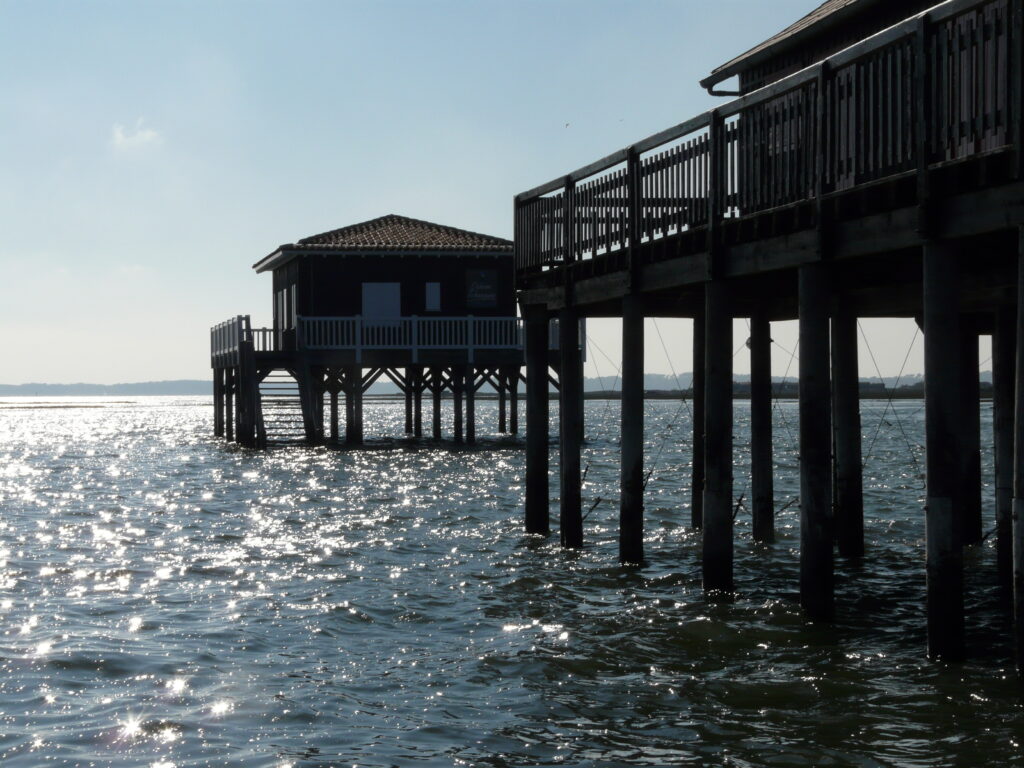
<point x="359" y="333"/>
<point x="941" y="86"/>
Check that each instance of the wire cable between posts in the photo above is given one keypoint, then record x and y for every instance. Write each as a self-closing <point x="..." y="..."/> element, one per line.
<point x="889" y="401"/>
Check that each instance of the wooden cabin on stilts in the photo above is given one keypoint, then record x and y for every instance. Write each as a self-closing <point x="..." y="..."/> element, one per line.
<point x="430" y="308"/>
<point x="871" y="165"/>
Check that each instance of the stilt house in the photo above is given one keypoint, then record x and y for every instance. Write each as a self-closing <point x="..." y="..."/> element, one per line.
<point x="430" y="307"/>
<point x="872" y="164"/>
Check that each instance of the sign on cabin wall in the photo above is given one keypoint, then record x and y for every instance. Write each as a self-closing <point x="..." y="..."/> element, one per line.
<point x="481" y="288"/>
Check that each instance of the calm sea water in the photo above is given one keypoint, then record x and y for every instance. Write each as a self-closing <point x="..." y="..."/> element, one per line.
<point x="168" y="600"/>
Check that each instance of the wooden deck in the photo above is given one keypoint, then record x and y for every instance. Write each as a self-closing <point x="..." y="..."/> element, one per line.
<point x="887" y="180"/>
<point x="910" y="135"/>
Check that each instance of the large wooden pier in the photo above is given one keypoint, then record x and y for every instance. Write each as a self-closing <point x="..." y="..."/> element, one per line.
<point x="887" y="180"/>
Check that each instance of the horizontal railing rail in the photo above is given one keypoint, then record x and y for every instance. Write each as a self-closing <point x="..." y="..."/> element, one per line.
<point x="360" y="333"/>
<point x="410" y="333"/>
<point x="225" y="337"/>
<point x="942" y="85"/>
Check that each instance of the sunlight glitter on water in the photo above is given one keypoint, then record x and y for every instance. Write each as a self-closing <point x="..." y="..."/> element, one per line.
<point x="207" y="605"/>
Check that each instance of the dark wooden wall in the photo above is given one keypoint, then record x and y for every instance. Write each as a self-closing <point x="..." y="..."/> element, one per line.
<point x="331" y="285"/>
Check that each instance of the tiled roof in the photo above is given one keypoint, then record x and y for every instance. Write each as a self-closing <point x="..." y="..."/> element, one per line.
<point x="790" y="35"/>
<point x="401" y="233"/>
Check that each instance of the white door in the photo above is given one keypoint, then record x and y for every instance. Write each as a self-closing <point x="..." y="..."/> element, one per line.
<point x="382" y="310"/>
<point x="382" y="301"/>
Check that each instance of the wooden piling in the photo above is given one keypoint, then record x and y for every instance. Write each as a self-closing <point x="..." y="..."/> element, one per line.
<point x="631" y="478"/>
<point x="334" y="413"/>
<point x="945" y="591"/>
<point x="697" y="391"/>
<point x="535" y="321"/>
<point x="970" y="434"/>
<point x="217" y="429"/>
<point x="1018" y="472"/>
<point x="816" y="522"/>
<point x="470" y="387"/>
<point x="229" y="403"/>
<point x="717" y="550"/>
<point x="1003" y="372"/>
<point x="417" y="417"/>
<point x="502" y="406"/>
<point x="354" y="406"/>
<point x="848" y="494"/>
<point x="218" y="426"/>
<point x="513" y="402"/>
<point x="408" y="392"/>
<point x="569" y="430"/>
<point x="762" y="487"/>
<point x="436" y="387"/>
<point x="458" y="379"/>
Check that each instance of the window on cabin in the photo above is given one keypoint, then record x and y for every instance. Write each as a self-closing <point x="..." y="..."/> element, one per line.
<point x="432" y="301"/>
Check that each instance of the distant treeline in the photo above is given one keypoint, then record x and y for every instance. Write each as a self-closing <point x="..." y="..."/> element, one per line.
<point x="176" y="387"/>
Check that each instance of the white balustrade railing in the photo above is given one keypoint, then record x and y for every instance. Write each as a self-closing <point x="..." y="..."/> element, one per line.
<point x="224" y="336"/>
<point x="264" y="339"/>
<point x="410" y="333"/>
<point x="359" y="333"/>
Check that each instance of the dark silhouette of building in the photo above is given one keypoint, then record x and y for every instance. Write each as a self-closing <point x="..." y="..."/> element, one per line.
<point x="873" y="165"/>
<point x="430" y="307"/>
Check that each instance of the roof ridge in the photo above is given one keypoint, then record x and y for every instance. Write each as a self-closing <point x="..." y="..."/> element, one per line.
<point x="378" y="223"/>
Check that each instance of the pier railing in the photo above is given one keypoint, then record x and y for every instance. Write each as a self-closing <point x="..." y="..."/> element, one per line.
<point x="412" y="333"/>
<point x="940" y="86"/>
<point x="359" y="333"/>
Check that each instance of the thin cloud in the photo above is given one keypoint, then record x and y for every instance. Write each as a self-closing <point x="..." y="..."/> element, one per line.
<point x="135" y="138"/>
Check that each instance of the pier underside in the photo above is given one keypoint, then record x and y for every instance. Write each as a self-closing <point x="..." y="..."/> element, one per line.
<point x="322" y="392"/>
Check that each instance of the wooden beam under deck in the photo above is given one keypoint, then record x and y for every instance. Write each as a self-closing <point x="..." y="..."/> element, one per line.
<point x="671" y="285"/>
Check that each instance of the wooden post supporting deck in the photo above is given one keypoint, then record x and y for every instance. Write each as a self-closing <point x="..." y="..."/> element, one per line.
<point x="513" y="402"/>
<point x="1018" y="472"/>
<point x="816" y="521"/>
<point x="536" y="335"/>
<point x="229" y="403"/>
<point x="436" y="386"/>
<point x="408" y="392"/>
<point x="458" y="379"/>
<point x="945" y="600"/>
<point x="334" y="413"/>
<point x="569" y="429"/>
<point x="470" y="385"/>
<point x="631" y="479"/>
<point x="417" y="394"/>
<point x="218" y="402"/>
<point x="970" y="434"/>
<point x="697" y="400"/>
<point x="1003" y="370"/>
<point x="718" y="423"/>
<point x="762" y="487"/>
<point x="502" y="417"/>
<point x="848" y="493"/>
<point x="354" y="405"/>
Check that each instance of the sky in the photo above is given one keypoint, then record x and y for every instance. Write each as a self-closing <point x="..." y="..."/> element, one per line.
<point x="151" y="152"/>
